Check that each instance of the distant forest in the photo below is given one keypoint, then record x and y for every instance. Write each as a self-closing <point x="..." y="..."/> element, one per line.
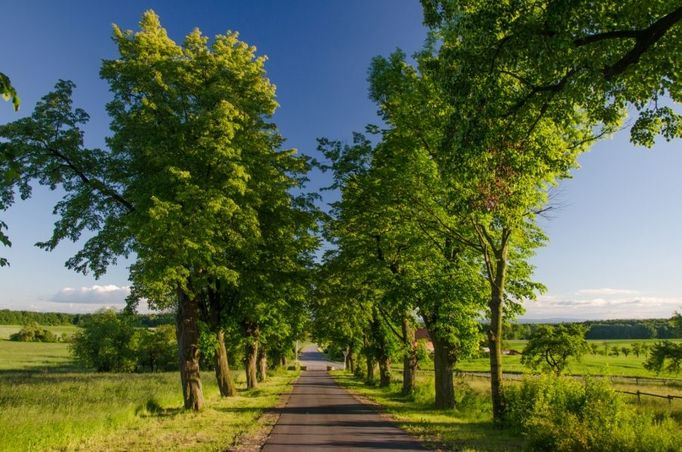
<point x="596" y="329"/>
<point x="8" y="317"/>
<point x="609" y="329"/>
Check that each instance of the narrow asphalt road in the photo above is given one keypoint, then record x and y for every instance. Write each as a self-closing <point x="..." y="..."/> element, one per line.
<point x="322" y="415"/>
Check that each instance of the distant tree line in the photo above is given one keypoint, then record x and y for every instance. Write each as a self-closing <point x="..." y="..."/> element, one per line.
<point x="9" y="317"/>
<point x="606" y="329"/>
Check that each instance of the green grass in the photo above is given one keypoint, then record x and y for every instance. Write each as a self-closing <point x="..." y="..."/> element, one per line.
<point x="125" y="411"/>
<point x="468" y="427"/>
<point x="596" y="365"/>
<point x="34" y="355"/>
<point x="47" y="404"/>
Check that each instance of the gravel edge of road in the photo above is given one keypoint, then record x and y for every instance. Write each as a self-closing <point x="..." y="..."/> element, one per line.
<point x="255" y="440"/>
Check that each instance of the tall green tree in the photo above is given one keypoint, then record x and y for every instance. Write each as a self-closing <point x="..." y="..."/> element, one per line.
<point x="550" y="347"/>
<point x="506" y="95"/>
<point x="189" y="131"/>
<point x="552" y="57"/>
<point x="390" y="222"/>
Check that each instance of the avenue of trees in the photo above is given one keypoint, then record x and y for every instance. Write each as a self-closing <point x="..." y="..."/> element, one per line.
<point x="437" y="218"/>
<point x="438" y="208"/>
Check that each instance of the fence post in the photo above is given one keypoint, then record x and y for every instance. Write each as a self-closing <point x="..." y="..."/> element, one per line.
<point x="670" y="402"/>
<point x="639" y="399"/>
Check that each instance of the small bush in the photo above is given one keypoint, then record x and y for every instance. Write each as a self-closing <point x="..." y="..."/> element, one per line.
<point x="109" y="342"/>
<point x="34" y="333"/>
<point x="567" y="414"/>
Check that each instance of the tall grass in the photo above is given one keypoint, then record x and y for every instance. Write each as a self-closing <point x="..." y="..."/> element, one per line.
<point x="91" y="411"/>
<point x="569" y="414"/>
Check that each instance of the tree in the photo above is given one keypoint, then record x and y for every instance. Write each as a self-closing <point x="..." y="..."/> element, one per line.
<point x="664" y="355"/>
<point x="500" y="137"/>
<point x="637" y="349"/>
<point x="389" y="229"/>
<point x="551" y="57"/>
<point x="106" y="343"/>
<point x="8" y="92"/>
<point x="550" y="347"/>
<point x="190" y="130"/>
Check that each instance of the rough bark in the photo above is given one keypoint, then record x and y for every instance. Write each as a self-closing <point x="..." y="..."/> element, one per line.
<point x="262" y="371"/>
<point x="222" y="368"/>
<point x="370" y="368"/>
<point x="187" y="334"/>
<point x="350" y="361"/>
<point x="251" y="356"/>
<point x="443" y="368"/>
<point x="410" y="358"/>
<point x="495" y="334"/>
<point x="384" y="371"/>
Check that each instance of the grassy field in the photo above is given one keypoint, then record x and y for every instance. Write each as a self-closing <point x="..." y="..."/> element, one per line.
<point x="46" y="404"/>
<point x="621" y="366"/>
<point x="89" y="411"/>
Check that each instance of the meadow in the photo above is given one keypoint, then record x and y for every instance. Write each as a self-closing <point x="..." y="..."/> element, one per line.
<point x="589" y="364"/>
<point x="47" y="403"/>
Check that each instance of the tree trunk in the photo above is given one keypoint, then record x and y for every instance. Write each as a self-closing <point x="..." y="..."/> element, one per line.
<point x="251" y="358"/>
<point x="370" y="368"/>
<point x="410" y="359"/>
<point x="283" y="361"/>
<point x="384" y="371"/>
<point x="350" y="361"/>
<point x="443" y="367"/>
<point x="495" y="334"/>
<point x="222" y="368"/>
<point x="187" y="334"/>
<point x="262" y="364"/>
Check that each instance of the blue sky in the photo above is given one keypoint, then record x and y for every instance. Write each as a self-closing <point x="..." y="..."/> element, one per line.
<point x="614" y="242"/>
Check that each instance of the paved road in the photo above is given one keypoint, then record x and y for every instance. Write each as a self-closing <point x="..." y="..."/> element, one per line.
<point x="320" y="415"/>
<point x="313" y="359"/>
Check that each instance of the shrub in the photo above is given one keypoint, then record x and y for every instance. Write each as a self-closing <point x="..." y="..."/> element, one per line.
<point x="567" y="414"/>
<point x="106" y="343"/>
<point x="109" y="342"/>
<point x="157" y="349"/>
<point x="424" y="358"/>
<point x="34" y="333"/>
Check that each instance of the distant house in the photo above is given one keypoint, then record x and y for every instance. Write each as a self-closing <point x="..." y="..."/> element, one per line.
<point x="420" y="334"/>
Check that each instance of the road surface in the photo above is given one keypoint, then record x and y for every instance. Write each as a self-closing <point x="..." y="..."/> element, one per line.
<point x="321" y="415"/>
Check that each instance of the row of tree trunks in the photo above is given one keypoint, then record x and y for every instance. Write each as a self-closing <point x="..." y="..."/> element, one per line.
<point x="187" y="334"/>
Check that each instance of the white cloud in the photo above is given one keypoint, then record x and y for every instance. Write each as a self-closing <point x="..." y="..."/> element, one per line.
<point x="604" y="307"/>
<point x="605" y="292"/>
<point x="102" y="295"/>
